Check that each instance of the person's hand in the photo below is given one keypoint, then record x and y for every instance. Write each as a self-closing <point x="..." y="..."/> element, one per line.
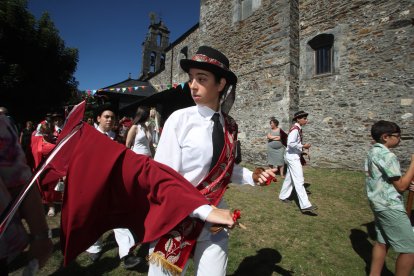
<point x="260" y="175"/>
<point x="41" y="250"/>
<point x="306" y="146"/>
<point x="411" y="187"/>
<point x="222" y="217"/>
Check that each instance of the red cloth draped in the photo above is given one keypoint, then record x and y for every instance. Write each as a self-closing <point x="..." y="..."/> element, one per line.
<point x="40" y="149"/>
<point x="108" y="186"/>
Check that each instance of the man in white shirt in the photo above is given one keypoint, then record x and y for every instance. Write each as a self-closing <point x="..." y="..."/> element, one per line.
<point x="186" y="145"/>
<point x="294" y="174"/>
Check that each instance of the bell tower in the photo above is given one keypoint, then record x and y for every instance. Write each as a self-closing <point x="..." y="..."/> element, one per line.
<point x="153" y="48"/>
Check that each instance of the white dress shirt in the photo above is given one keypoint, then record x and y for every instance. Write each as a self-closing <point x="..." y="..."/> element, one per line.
<point x="110" y="133"/>
<point x="186" y="146"/>
<point x="294" y="144"/>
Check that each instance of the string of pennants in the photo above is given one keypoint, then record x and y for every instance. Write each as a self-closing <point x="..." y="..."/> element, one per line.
<point x="131" y="89"/>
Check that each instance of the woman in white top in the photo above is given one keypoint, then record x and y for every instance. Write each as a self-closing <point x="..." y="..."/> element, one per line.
<point x="139" y="137"/>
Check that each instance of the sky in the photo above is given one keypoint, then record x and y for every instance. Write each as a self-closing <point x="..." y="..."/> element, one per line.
<point x="109" y="34"/>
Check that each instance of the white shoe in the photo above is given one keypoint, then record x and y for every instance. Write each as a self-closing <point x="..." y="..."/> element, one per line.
<point x="51" y="212"/>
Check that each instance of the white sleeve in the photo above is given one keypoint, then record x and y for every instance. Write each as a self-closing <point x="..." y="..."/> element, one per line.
<point x="242" y="175"/>
<point x="294" y="141"/>
<point x="168" y="148"/>
<point x="202" y="212"/>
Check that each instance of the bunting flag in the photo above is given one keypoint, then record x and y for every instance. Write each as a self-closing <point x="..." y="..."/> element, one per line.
<point x="130" y="89"/>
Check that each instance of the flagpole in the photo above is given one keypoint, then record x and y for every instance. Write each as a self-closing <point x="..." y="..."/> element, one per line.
<point x="16" y="204"/>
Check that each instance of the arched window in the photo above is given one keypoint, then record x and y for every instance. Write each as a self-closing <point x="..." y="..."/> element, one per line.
<point x="159" y="39"/>
<point x="152" y="62"/>
<point x="323" y="48"/>
<point x="162" y="61"/>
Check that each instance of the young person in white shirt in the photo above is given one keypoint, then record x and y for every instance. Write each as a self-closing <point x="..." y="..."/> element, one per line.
<point x="294" y="174"/>
<point x="186" y="146"/>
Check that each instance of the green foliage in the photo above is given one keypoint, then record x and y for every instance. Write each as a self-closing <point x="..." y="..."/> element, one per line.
<point x="36" y="68"/>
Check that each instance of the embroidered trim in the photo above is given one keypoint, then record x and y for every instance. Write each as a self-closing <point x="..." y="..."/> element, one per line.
<point x="158" y="259"/>
<point x="204" y="58"/>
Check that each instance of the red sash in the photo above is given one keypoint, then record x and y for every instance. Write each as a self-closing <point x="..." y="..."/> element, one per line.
<point x="302" y="159"/>
<point x="173" y="249"/>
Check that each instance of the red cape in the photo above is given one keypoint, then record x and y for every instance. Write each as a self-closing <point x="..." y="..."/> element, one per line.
<point x="109" y="186"/>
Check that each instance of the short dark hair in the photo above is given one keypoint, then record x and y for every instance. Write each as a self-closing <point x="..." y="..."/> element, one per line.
<point x="383" y="127"/>
<point x="105" y="107"/>
<point x="274" y="120"/>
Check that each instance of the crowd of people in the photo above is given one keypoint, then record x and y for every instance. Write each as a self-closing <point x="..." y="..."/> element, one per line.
<point x="198" y="143"/>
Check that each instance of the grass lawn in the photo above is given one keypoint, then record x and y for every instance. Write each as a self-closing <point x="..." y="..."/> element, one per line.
<point x="279" y="240"/>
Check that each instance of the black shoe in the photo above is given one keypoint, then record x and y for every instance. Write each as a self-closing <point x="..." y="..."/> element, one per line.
<point x="310" y="213"/>
<point x="131" y="261"/>
<point x="286" y="200"/>
<point x="310" y="208"/>
<point x="94" y="257"/>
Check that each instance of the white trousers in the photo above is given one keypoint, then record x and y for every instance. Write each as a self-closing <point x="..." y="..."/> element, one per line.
<point x="210" y="259"/>
<point x="123" y="238"/>
<point x="294" y="177"/>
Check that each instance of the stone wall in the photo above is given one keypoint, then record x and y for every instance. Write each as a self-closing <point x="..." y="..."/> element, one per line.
<point x="372" y="79"/>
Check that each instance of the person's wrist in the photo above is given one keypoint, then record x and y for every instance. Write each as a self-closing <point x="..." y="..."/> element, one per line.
<point x="44" y="235"/>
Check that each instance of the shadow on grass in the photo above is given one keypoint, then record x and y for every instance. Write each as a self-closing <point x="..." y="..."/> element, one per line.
<point x="264" y="263"/>
<point x="362" y="246"/>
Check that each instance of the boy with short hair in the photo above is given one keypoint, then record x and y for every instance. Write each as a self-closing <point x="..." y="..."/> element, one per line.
<point x="199" y="142"/>
<point x="384" y="185"/>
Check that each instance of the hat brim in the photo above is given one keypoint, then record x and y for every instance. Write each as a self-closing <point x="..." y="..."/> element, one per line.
<point x="186" y="64"/>
<point x="300" y="116"/>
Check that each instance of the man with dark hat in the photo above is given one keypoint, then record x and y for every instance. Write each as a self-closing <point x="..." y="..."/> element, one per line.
<point x="294" y="174"/>
<point x="199" y="142"/>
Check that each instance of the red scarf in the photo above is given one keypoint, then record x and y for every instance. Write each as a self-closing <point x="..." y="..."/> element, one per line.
<point x="173" y="249"/>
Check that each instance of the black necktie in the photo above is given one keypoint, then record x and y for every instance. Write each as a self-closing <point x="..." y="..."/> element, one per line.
<point x="217" y="138"/>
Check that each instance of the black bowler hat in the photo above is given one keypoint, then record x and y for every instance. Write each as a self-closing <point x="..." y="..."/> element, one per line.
<point x="211" y="60"/>
<point x="300" y="114"/>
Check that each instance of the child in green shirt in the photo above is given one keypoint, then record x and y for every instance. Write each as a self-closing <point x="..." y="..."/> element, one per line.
<point x="385" y="185"/>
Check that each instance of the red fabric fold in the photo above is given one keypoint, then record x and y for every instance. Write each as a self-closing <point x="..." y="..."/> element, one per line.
<point x="108" y="186"/>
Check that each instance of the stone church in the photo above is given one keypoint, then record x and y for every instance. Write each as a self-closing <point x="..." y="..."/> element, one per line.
<point x="347" y="63"/>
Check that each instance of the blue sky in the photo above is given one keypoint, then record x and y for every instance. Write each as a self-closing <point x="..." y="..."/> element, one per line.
<point x="109" y="34"/>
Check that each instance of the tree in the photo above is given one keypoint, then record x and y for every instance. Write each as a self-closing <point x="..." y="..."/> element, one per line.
<point x="36" y="68"/>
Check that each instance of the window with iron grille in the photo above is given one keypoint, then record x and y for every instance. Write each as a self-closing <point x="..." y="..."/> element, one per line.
<point x="323" y="60"/>
<point x="323" y="48"/>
